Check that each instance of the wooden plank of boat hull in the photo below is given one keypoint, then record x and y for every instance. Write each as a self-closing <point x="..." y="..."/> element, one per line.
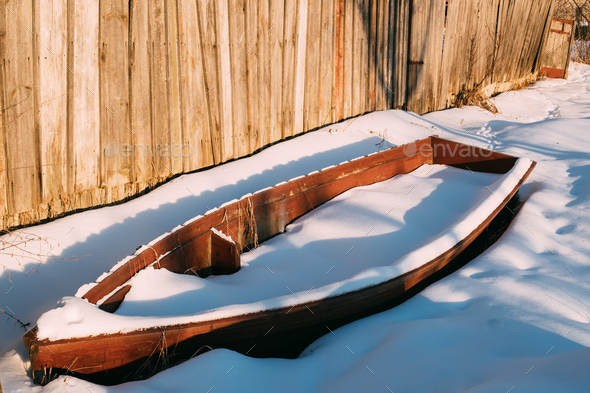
<point x="112" y="303"/>
<point x="225" y="255"/>
<point x="239" y="332"/>
<point x="118" y="278"/>
<point x="476" y="159"/>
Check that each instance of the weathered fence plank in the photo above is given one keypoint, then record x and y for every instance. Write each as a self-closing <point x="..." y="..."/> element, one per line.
<point x="197" y="149"/>
<point x="114" y="94"/>
<point x="380" y="60"/>
<point x="349" y="16"/>
<point x="83" y="64"/>
<point x="312" y="67"/>
<point x="276" y="58"/>
<point x="20" y="129"/>
<point x="51" y="77"/>
<point x="289" y="59"/>
<point x="140" y="128"/>
<point x="239" y="77"/>
<point x="401" y="31"/>
<point x="302" y="19"/>
<point x="357" y="104"/>
<point x="363" y="47"/>
<point x="223" y="71"/>
<point x="425" y="53"/>
<point x="252" y="30"/>
<point x="159" y="93"/>
<point x="372" y="20"/>
<point x="176" y="133"/>
<point x="207" y="22"/>
<point x="3" y="163"/>
<point x="339" y="60"/>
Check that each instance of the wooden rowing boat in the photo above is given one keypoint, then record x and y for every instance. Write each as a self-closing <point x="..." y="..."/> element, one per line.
<point x="203" y="246"/>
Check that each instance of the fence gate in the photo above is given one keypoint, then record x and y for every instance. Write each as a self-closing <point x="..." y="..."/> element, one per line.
<point x="555" y="58"/>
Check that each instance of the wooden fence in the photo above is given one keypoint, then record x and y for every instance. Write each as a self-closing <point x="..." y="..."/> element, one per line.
<point x="102" y="100"/>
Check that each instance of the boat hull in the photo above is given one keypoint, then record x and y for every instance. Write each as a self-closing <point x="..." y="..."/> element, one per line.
<point x="284" y="332"/>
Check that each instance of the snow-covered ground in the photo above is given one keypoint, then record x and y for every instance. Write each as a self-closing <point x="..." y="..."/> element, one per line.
<point x="514" y="319"/>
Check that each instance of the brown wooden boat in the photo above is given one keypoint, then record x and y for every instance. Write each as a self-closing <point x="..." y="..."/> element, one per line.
<point x="195" y="248"/>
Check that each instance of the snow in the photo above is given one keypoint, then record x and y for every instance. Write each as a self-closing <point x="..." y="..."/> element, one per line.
<point x="514" y="318"/>
<point x="223" y="235"/>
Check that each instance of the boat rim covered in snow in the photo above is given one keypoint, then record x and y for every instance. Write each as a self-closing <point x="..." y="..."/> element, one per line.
<point x="212" y="243"/>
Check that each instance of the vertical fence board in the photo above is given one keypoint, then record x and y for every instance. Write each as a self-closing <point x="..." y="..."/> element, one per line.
<point x="401" y="52"/>
<point x="349" y="17"/>
<point x="3" y="106"/>
<point x="160" y="114"/>
<point x="224" y="68"/>
<point x="339" y="61"/>
<point x="380" y="69"/>
<point x="363" y="83"/>
<point x="239" y="76"/>
<point x="455" y="57"/>
<point x="263" y="28"/>
<point x="300" y="66"/>
<point x="197" y="144"/>
<point x="276" y="56"/>
<point x="19" y="109"/>
<point x="174" y="103"/>
<point x="84" y="148"/>
<point x="357" y="106"/>
<point x="114" y="89"/>
<point x="426" y="35"/>
<point x="252" y="30"/>
<point x="289" y="59"/>
<point x="52" y="79"/>
<point x="207" y="21"/>
<point x="372" y="19"/>
<point x="327" y="37"/>
<point x="388" y="63"/>
<point x="140" y="117"/>
<point x="312" y="65"/>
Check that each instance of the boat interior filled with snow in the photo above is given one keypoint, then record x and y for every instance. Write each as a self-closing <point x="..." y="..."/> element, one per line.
<point x="269" y="273"/>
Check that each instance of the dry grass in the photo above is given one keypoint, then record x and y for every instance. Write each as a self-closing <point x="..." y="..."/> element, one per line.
<point x="527" y="81"/>
<point x="474" y="98"/>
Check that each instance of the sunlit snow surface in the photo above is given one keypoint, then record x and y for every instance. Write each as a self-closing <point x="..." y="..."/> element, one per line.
<point x="514" y="318"/>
